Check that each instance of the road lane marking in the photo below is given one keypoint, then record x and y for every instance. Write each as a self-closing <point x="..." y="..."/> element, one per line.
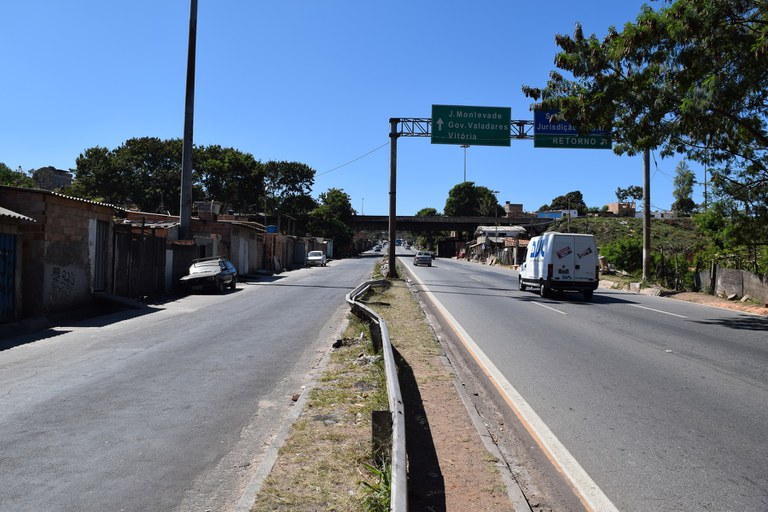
<point x="588" y="492"/>
<point x="658" y="311"/>
<point x="550" y="308"/>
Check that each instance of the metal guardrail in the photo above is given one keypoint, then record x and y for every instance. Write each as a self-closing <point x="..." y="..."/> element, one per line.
<point x="380" y="335"/>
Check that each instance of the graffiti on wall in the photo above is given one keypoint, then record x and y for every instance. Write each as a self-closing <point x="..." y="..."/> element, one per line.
<point x="63" y="284"/>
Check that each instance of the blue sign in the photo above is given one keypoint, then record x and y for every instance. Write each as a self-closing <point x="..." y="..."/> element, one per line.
<point x="549" y="133"/>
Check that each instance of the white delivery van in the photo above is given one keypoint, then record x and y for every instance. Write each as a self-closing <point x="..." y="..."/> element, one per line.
<point x="561" y="262"/>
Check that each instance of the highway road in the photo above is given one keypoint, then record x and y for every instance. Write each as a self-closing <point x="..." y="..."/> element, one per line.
<point x="646" y="403"/>
<point x="172" y="408"/>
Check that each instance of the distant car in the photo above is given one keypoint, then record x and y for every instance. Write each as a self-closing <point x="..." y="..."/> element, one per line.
<point x="316" y="258"/>
<point x="422" y="258"/>
<point x="210" y="274"/>
<point x="377" y="248"/>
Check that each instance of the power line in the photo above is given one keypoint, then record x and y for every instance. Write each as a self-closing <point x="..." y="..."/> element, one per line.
<point x="354" y="160"/>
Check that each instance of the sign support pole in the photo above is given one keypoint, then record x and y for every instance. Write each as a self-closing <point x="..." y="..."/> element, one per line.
<point x="393" y="135"/>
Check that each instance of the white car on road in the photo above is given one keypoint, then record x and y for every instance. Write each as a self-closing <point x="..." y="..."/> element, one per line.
<point x="316" y="258"/>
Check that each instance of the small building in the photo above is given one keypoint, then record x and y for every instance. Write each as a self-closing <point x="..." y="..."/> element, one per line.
<point x="622" y="209"/>
<point x="558" y="214"/>
<point x="490" y="240"/>
<point x="668" y="214"/>
<point x="67" y="250"/>
<point x="513" y="211"/>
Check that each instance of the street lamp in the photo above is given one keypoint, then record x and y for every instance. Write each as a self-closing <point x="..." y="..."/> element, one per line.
<point x="465" y="146"/>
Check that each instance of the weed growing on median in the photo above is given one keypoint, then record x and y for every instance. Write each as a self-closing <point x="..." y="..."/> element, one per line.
<point x="322" y="462"/>
<point x="377" y="495"/>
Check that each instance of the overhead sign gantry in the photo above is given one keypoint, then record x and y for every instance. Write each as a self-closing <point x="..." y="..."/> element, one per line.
<point x="479" y="126"/>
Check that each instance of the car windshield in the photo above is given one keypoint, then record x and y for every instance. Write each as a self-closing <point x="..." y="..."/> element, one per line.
<point x="204" y="266"/>
<point x="315" y="254"/>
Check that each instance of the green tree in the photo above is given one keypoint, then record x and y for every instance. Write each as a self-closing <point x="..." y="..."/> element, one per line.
<point x="97" y="178"/>
<point x="462" y="200"/>
<point x="570" y="201"/>
<point x="688" y="78"/>
<point x="142" y="172"/>
<point x="332" y="219"/>
<point x="430" y="238"/>
<point x="146" y="173"/>
<point x="286" y="184"/>
<point x="468" y="200"/>
<point x="15" y="178"/>
<point x="427" y="212"/>
<point x="231" y="177"/>
<point x="683" y="183"/>
<point x="151" y="168"/>
<point x="299" y="207"/>
<point x="633" y="191"/>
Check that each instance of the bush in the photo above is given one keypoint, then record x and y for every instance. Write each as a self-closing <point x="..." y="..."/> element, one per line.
<point x="625" y="254"/>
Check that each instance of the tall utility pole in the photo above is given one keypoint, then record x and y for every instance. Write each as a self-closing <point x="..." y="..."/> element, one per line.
<point x="646" y="214"/>
<point x="185" y="217"/>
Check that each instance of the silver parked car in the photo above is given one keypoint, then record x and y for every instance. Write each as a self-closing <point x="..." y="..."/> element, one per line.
<point x="214" y="273"/>
<point x="422" y="258"/>
<point x="316" y="258"/>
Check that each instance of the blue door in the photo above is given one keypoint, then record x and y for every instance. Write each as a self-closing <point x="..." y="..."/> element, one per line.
<point x="7" y="276"/>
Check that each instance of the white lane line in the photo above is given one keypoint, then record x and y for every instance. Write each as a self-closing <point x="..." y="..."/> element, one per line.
<point x="585" y="488"/>
<point x="658" y="311"/>
<point x="550" y="308"/>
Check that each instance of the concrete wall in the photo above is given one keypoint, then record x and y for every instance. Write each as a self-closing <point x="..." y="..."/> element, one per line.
<point x="735" y="282"/>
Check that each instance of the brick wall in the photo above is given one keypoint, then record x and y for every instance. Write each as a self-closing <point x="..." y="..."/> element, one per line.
<point x="57" y="266"/>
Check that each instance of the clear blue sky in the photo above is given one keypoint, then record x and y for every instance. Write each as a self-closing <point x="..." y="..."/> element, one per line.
<point x="308" y="81"/>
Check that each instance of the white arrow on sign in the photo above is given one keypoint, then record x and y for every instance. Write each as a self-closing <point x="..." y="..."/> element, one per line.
<point x="440" y="124"/>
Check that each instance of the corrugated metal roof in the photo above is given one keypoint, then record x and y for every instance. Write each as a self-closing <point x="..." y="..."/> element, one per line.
<point x="51" y="193"/>
<point x="5" y="212"/>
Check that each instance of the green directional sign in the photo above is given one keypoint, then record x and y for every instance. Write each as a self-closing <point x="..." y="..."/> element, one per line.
<point x="571" y="141"/>
<point x="476" y="126"/>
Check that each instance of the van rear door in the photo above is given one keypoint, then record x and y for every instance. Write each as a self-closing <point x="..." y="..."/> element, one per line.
<point x="562" y="258"/>
<point x="585" y="254"/>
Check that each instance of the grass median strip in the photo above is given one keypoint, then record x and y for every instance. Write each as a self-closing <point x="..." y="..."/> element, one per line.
<point x="320" y="466"/>
<point x="326" y="461"/>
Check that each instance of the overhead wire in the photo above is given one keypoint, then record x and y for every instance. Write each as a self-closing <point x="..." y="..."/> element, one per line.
<point x="353" y="160"/>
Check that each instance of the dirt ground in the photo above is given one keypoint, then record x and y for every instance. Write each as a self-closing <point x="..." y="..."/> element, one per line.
<point x="449" y="467"/>
<point x="711" y="300"/>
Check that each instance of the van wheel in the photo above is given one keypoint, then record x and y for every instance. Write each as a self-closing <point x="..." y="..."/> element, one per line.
<point x="587" y="294"/>
<point x="544" y="290"/>
<point x="520" y="284"/>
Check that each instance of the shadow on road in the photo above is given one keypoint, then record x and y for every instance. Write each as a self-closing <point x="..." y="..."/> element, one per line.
<point x="100" y="314"/>
<point x="743" y="322"/>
